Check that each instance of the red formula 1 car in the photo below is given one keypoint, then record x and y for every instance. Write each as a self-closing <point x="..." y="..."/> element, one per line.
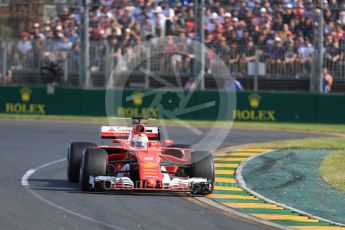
<point x="139" y="160"/>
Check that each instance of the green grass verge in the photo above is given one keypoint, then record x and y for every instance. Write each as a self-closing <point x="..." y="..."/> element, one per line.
<point x="57" y="118"/>
<point x="329" y="143"/>
<point x="333" y="169"/>
<point x="306" y="127"/>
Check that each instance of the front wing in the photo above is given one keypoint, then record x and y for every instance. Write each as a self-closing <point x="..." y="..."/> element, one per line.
<point x="176" y="184"/>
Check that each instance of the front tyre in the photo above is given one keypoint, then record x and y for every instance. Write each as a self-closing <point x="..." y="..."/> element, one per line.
<point x="203" y="167"/>
<point x="94" y="163"/>
<point x="74" y="156"/>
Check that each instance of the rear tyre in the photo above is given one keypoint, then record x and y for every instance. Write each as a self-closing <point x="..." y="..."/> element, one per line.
<point x="203" y="166"/>
<point x="94" y="163"/>
<point x="74" y="155"/>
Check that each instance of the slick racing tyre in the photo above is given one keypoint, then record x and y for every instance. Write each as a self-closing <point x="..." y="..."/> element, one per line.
<point x="74" y="155"/>
<point x="203" y="166"/>
<point x="94" y="163"/>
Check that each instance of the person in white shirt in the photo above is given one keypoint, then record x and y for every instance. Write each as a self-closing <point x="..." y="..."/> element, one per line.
<point x="24" y="46"/>
<point x="190" y="85"/>
<point x="159" y="21"/>
<point x="305" y="54"/>
<point x="23" y="50"/>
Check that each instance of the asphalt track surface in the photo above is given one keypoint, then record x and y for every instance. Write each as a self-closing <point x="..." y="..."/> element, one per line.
<point x="51" y="202"/>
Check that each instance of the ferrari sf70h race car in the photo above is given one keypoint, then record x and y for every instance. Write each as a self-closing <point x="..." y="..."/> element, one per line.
<point x="138" y="159"/>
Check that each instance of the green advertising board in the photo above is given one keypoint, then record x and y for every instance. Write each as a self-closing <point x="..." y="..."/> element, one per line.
<point x="202" y="105"/>
<point x="330" y="109"/>
<point x="287" y="107"/>
<point x="36" y="100"/>
<point x="213" y="105"/>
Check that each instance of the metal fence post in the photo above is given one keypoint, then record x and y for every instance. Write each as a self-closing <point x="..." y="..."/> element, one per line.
<point x="65" y="69"/>
<point x="40" y="70"/>
<point x="148" y="65"/>
<point x="317" y="62"/>
<point x="199" y="52"/>
<point x="256" y="72"/>
<point x="3" y="57"/>
<point x="202" y="41"/>
<point x="108" y="64"/>
<point x="85" y="59"/>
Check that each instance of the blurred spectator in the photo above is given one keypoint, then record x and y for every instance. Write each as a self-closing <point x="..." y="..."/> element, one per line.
<point x="233" y="30"/>
<point x="190" y="85"/>
<point x="36" y="33"/>
<point x="73" y="36"/>
<point x="242" y="11"/>
<point x="212" y="22"/>
<point x="305" y="52"/>
<point x="172" y="58"/>
<point x="327" y="81"/>
<point x="54" y="72"/>
<point x="159" y="21"/>
<point x="147" y="29"/>
<point x="248" y="56"/>
<point x="24" y="46"/>
<point x="276" y="58"/>
<point x="290" y="58"/>
<point x="7" y="78"/>
<point x="189" y="50"/>
<point x="233" y="85"/>
<point x="234" y="57"/>
<point x="333" y="55"/>
<point x="224" y="49"/>
<point x="115" y="49"/>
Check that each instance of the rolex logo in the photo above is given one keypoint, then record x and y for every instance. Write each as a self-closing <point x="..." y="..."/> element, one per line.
<point x="254" y="100"/>
<point x="138" y="98"/>
<point x="25" y="94"/>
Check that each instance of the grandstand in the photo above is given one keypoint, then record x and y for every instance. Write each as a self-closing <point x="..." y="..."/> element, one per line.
<point x="274" y="39"/>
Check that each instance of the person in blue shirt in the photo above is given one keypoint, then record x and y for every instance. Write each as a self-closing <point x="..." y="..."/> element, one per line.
<point x="233" y="84"/>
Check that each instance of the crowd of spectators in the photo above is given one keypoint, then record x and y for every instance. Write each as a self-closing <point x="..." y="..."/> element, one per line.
<point x="283" y="29"/>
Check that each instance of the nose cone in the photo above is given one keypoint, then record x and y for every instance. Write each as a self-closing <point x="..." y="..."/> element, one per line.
<point x="151" y="183"/>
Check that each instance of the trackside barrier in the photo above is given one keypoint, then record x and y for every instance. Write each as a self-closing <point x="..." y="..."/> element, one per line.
<point x="251" y="106"/>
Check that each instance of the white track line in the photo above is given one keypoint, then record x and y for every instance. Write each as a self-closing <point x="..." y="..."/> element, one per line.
<point x="28" y="174"/>
<point x="25" y="182"/>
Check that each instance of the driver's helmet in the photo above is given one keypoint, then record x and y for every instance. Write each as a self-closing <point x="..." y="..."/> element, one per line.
<point x="139" y="137"/>
<point x="140" y="140"/>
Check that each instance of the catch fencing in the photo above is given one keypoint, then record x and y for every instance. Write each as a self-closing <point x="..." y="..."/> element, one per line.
<point x="33" y="60"/>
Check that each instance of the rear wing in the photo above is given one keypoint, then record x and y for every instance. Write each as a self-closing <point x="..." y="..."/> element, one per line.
<point x="122" y="132"/>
